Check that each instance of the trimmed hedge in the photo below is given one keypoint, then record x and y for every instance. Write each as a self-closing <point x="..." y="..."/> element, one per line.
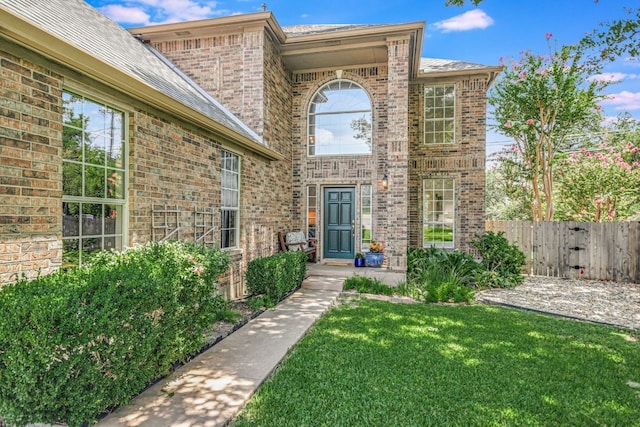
<point x="275" y="276"/>
<point x="74" y="344"/>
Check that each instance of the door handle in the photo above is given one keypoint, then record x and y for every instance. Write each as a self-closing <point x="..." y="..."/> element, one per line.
<point x="353" y="227"/>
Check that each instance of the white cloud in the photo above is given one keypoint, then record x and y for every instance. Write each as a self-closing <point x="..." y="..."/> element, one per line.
<point x="145" y="12"/>
<point x="632" y="61"/>
<point x="613" y="77"/>
<point x="125" y="15"/>
<point x="624" y="101"/>
<point x="471" y="20"/>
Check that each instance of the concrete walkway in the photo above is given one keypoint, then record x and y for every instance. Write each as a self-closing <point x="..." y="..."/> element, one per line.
<point x="213" y="387"/>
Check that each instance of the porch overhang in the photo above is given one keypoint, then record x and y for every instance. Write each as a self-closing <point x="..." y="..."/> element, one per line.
<point x="347" y="46"/>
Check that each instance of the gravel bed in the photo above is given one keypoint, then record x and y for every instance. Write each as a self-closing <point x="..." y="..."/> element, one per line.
<point x="603" y="302"/>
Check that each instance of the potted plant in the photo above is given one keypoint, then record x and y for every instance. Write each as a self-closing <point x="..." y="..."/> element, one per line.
<point x="375" y="256"/>
<point x="359" y="261"/>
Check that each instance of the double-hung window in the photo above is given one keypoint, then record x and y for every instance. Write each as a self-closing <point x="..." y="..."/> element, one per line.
<point x="93" y="178"/>
<point x="439" y="114"/>
<point x="230" y="200"/>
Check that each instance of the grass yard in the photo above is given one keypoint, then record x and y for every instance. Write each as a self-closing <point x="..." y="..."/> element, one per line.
<point x="373" y="363"/>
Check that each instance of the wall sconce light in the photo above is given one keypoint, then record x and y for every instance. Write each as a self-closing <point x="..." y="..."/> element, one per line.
<point x="312" y="139"/>
<point x="385" y="181"/>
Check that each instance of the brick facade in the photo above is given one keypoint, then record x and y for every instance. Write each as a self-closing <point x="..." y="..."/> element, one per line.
<point x="176" y="164"/>
<point x="30" y="168"/>
<point x="464" y="160"/>
<point x="171" y="164"/>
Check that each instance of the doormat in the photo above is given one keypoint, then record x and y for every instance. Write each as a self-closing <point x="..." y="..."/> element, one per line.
<point x="337" y="264"/>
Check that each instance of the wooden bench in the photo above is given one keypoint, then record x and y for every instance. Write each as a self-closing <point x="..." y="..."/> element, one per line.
<point x="308" y="246"/>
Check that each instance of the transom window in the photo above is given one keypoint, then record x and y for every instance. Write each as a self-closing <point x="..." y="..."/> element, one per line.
<point x="438" y="212"/>
<point x="230" y="206"/>
<point x="439" y="114"/>
<point x="340" y="120"/>
<point x="93" y="178"/>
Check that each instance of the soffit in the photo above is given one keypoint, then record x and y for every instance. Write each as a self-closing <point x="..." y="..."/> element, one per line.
<point x="336" y="46"/>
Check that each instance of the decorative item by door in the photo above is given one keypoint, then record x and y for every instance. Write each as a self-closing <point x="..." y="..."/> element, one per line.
<point x="375" y="256"/>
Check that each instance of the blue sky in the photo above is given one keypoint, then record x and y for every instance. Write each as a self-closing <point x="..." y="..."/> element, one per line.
<point x="483" y="34"/>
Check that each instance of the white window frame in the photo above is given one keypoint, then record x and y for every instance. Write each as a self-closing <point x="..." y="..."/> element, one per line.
<point x="229" y="200"/>
<point x="438" y="115"/>
<point x="439" y="212"/>
<point x="312" y="212"/>
<point x="366" y="220"/>
<point x="117" y="239"/>
<point x="315" y="139"/>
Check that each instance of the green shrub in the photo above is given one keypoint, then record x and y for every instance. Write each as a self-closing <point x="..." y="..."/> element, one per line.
<point x="448" y="291"/>
<point x="502" y="261"/>
<point x="367" y="285"/>
<point x="440" y="276"/>
<point x="274" y="276"/>
<point x="74" y="344"/>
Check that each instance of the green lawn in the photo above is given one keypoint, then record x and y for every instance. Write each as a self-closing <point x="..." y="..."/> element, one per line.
<point x="383" y="364"/>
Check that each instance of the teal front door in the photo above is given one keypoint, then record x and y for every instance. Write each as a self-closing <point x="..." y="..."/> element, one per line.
<point x="339" y="208"/>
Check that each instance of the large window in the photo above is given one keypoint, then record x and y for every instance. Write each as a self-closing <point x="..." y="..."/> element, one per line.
<point x="93" y="178"/>
<point x="366" y="217"/>
<point x="438" y="212"/>
<point x="230" y="209"/>
<point x="439" y="114"/>
<point x="340" y="120"/>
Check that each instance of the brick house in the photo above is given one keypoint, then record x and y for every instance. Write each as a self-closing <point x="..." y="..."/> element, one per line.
<point x="228" y="130"/>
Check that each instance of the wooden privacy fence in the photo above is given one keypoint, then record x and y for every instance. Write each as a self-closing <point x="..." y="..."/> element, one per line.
<point x="585" y="250"/>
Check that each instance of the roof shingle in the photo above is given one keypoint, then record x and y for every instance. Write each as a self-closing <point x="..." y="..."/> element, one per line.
<point x="80" y="25"/>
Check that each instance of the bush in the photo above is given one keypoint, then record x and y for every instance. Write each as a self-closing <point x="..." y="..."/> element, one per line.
<point x="274" y="276"/>
<point x="367" y="285"/>
<point x="448" y="291"/>
<point x="502" y="261"/>
<point x="74" y="344"/>
<point x="441" y="276"/>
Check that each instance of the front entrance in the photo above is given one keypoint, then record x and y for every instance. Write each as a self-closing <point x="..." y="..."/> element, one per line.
<point x="339" y="222"/>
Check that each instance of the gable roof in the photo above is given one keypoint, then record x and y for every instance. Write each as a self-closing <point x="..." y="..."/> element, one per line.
<point x="304" y="48"/>
<point x="435" y="67"/>
<point x="304" y="30"/>
<point x="83" y="38"/>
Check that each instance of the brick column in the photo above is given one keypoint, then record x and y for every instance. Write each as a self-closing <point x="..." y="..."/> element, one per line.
<point x="396" y="168"/>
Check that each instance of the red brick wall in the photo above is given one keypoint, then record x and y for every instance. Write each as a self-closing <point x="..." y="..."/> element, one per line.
<point x="30" y="169"/>
<point x="170" y="164"/>
<point x="245" y="72"/>
<point x="228" y="66"/>
<point x="347" y="170"/>
<point x="464" y="160"/>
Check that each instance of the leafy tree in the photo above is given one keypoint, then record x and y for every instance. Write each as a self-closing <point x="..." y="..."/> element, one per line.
<point x="599" y="186"/>
<point x="507" y="198"/>
<point x="539" y="102"/>
<point x="614" y="39"/>
<point x="623" y="130"/>
<point x="461" y="2"/>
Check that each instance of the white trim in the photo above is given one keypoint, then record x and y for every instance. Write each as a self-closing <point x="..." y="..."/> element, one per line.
<point x="123" y="203"/>
<point x="439" y="120"/>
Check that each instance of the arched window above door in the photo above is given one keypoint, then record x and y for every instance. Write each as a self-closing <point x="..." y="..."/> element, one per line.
<point x="340" y="120"/>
